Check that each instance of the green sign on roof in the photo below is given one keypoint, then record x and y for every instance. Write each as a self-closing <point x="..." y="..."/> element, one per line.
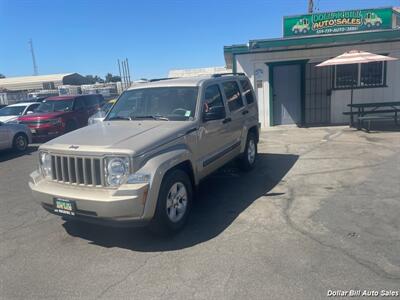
<point x="338" y="22"/>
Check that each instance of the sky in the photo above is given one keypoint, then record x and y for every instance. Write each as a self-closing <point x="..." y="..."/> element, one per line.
<point x="88" y="36"/>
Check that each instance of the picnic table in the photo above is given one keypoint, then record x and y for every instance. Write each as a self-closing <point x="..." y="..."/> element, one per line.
<point x="373" y="111"/>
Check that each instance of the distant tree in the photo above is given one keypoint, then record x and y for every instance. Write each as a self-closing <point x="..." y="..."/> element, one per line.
<point x="93" y="79"/>
<point x="2" y="76"/>
<point x="111" y="78"/>
<point x="98" y="79"/>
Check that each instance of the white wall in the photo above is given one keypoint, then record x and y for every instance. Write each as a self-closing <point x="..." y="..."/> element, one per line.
<point x="248" y="63"/>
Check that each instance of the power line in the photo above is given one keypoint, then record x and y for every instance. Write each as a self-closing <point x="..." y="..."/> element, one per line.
<point x="35" y="67"/>
<point x="310" y="6"/>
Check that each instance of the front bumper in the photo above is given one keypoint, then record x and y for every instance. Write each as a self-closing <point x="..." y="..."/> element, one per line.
<point x="114" y="207"/>
<point x="44" y="135"/>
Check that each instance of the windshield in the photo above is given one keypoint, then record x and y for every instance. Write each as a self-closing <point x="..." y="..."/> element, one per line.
<point x="55" y="105"/>
<point x="12" y="111"/>
<point x="166" y="103"/>
<point x="106" y="107"/>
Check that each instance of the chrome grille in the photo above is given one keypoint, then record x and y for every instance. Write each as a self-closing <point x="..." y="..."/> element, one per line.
<point x="77" y="170"/>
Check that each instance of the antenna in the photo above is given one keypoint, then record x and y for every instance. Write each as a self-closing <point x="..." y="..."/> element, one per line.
<point x="310" y="6"/>
<point x="35" y="67"/>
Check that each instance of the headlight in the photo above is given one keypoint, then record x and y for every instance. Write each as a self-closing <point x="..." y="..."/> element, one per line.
<point x="116" y="169"/>
<point x="45" y="164"/>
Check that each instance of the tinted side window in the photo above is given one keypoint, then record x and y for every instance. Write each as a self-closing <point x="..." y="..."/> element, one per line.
<point x="232" y="94"/>
<point x="213" y="97"/>
<point x="32" y="107"/>
<point x="91" y="101"/>
<point x="247" y="91"/>
<point x="79" y="103"/>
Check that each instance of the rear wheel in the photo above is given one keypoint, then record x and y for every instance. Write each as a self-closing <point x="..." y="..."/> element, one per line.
<point x="248" y="159"/>
<point x="174" y="203"/>
<point x="20" y="142"/>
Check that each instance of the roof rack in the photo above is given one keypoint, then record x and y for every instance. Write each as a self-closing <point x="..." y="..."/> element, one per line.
<point x="159" y="79"/>
<point x="227" y="74"/>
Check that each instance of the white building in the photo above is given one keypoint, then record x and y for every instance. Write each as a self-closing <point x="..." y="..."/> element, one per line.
<point x="197" y="72"/>
<point x="291" y="90"/>
<point x="45" y="82"/>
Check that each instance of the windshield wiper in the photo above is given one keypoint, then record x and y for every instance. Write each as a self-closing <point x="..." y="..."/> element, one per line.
<point x="119" y="118"/>
<point x="154" y="117"/>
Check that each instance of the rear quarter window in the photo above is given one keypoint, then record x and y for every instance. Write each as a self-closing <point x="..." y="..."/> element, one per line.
<point x="247" y="91"/>
<point x="232" y="94"/>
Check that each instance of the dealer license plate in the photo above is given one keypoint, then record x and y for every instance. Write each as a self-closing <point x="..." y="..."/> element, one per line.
<point x="64" y="206"/>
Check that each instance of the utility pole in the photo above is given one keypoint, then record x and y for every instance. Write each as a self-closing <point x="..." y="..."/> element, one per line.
<point x="310" y="6"/>
<point x="35" y="67"/>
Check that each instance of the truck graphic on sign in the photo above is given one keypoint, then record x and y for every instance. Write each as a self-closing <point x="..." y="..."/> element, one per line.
<point x="372" y="20"/>
<point x="302" y="26"/>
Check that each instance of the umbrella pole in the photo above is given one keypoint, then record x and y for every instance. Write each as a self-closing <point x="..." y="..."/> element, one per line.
<point x="351" y="107"/>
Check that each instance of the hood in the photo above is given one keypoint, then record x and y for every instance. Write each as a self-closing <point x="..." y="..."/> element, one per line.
<point x="5" y="119"/>
<point x="42" y="116"/>
<point x="131" y="137"/>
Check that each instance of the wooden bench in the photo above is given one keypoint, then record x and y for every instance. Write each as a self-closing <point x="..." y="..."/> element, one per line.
<point x="370" y="118"/>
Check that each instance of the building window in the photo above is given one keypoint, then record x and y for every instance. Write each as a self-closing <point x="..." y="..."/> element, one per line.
<point x="360" y="75"/>
<point x="372" y="74"/>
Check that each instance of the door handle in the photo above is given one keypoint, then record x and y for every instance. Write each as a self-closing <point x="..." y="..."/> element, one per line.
<point x="245" y="112"/>
<point x="227" y="120"/>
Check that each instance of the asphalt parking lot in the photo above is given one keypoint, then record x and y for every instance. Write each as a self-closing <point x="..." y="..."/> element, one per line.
<point x="320" y="212"/>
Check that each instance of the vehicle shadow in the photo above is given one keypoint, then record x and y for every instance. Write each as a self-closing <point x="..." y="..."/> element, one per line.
<point x="222" y="197"/>
<point x="11" y="154"/>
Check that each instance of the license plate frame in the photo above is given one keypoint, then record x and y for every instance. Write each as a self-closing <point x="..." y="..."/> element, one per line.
<point x="64" y="206"/>
<point x="33" y="130"/>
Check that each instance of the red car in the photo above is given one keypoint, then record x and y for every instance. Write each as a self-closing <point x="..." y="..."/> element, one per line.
<point x="58" y="115"/>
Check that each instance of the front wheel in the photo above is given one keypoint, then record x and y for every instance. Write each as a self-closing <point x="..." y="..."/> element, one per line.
<point x="174" y="203"/>
<point x="248" y="159"/>
<point x="20" y="142"/>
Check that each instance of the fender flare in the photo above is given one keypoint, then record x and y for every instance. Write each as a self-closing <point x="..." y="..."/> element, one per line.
<point x="158" y="166"/>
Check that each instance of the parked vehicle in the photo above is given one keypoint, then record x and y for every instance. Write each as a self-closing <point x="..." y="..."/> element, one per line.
<point x="58" y="115"/>
<point x="13" y="111"/>
<point x="100" y="115"/>
<point x="15" y="136"/>
<point x="142" y="164"/>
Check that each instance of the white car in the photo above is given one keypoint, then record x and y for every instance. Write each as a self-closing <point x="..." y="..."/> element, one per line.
<point x="13" y="111"/>
<point x="15" y="136"/>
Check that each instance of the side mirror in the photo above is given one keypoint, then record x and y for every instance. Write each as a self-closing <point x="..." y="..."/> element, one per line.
<point x="214" y="113"/>
<point x="29" y="112"/>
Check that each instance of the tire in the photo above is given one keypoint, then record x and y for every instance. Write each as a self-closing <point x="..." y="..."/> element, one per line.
<point x="248" y="159"/>
<point x="369" y="25"/>
<point x="71" y="126"/>
<point x="304" y="31"/>
<point x="163" y="221"/>
<point x="378" y="24"/>
<point x="20" y="142"/>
